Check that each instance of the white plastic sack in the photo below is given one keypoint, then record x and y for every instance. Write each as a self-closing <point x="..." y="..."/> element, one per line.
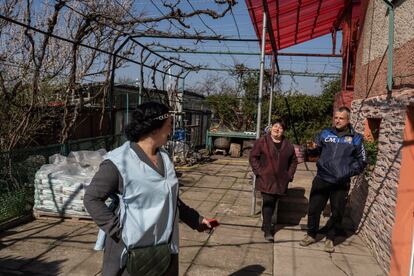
<point x="59" y="186"/>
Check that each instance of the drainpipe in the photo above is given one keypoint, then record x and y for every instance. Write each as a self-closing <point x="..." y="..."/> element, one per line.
<point x="259" y="103"/>
<point x="261" y="76"/>
<point x="180" y="103"/>
<point x="272" y="87"/>
<point x="140" y="86"/>
<point x="180" y="100"/>
<point x="127" y="108"/>
<point x="390" y="42"/>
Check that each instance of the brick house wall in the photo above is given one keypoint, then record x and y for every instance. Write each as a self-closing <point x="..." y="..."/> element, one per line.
<point x="343" y="98"/>
<point x="373" y="198"/>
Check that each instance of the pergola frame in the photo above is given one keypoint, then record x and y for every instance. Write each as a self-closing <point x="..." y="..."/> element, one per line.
<point x="275" y="70"/>
<point x="267" y="29"/>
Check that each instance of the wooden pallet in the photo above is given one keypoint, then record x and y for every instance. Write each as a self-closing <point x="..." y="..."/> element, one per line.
<point x="55" y="216"/>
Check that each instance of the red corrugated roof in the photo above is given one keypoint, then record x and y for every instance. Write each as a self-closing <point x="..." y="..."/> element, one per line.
<point x="296" y="21"/>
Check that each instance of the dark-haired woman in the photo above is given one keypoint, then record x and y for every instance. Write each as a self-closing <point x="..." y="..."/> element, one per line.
<point x="141" y="173"/>
<point x="273" y="161"/>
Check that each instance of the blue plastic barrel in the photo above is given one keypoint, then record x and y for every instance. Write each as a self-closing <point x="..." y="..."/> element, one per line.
<point x="179" y="134"/>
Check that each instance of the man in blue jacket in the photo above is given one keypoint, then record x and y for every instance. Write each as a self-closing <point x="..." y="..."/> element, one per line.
<point x="342" y="155"/>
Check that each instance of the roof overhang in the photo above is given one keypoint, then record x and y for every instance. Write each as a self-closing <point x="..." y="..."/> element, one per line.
<point x="295" y="21"/>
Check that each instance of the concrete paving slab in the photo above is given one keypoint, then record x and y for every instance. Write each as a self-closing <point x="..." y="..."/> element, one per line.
<point x="230" y="197"/>
<point x="353" y="245"/>
<point x="189" y="249"/>
<point x="194" y="195"/>
<point x="211" y="169"/>
<point x="20" y="254"/>
<point x="226" y="182"/>
<point x="39" y="230"/>
<point x="202" y="189"/>
<point x="184" y="267"/>
<point x="84" y="237"/>
<point x="304" y="265"/>
<point x="234" y="257"/>
<point x="210" y="181"/>
<point x="229" y="209"/>
<point x="243" y="200"/>
<point x="92" y="265"/>
<point x="355" y="265"/>
<point x="188" y="179"/>
<point x="250" y="270"/>
<point x="236" y="234"/>
<point x="244" y="188"/>
<point x="36" y="258"/>
<point x="350" y="258"/>
<point x="188" y="234"/>
<point x="68" y="259"/>
<point x="232" y="170"/>
<point x="294" y="234"/>
<point x="314" y="263"/>
<point x="226" y="173"/>
<point x="214" y="197"/>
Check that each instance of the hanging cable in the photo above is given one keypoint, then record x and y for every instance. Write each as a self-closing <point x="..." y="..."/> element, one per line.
<point x="235" y="22"/>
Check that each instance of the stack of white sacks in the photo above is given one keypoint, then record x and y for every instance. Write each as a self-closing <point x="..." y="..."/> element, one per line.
<point x="60" y="185"/>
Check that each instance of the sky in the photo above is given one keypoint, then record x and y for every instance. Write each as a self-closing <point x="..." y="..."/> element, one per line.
<point x="239" y="26"/>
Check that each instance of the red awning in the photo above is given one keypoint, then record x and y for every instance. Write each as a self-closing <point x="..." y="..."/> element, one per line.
<point x="296" y="21"/>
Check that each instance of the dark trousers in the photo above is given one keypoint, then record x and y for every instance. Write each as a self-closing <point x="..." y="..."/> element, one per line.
<point x="171" y="271"/>
<point x="173" y="268"/>
<point x="320" y="193"/>
<point x="268" y="210"/>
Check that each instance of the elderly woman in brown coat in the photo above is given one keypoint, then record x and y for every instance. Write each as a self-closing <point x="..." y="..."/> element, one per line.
<point x="273" y="161"/>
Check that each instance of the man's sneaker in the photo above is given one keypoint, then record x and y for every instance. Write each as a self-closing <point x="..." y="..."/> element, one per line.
<point x="307" y="240"/>
<point x="329" y="246"/>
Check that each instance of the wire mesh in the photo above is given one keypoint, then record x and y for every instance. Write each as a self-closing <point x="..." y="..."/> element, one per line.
<point x="18" y="169"/>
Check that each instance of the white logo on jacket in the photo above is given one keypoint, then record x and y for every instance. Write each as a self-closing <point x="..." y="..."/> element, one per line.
<point x="331" y="139"/>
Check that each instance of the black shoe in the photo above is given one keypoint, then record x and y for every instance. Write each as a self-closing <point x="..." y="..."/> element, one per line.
<point x="268" y="236"/>
<point x="273" y="229"/>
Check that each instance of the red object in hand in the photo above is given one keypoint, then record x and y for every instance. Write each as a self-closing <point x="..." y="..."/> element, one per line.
<point x="213" y="223"/>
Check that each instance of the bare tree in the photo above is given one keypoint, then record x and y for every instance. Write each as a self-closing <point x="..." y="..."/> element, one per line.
<point x="44" y="60"/>
<point x="214" y="84"/>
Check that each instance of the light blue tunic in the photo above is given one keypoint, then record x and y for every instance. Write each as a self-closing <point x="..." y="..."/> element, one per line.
<point x="148" y="202"/>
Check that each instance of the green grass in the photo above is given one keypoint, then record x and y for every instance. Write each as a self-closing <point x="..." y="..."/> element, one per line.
<point x="15" y="204"/>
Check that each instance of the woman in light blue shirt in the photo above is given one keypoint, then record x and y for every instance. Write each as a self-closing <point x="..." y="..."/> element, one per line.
<point x="142" y="175"/>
